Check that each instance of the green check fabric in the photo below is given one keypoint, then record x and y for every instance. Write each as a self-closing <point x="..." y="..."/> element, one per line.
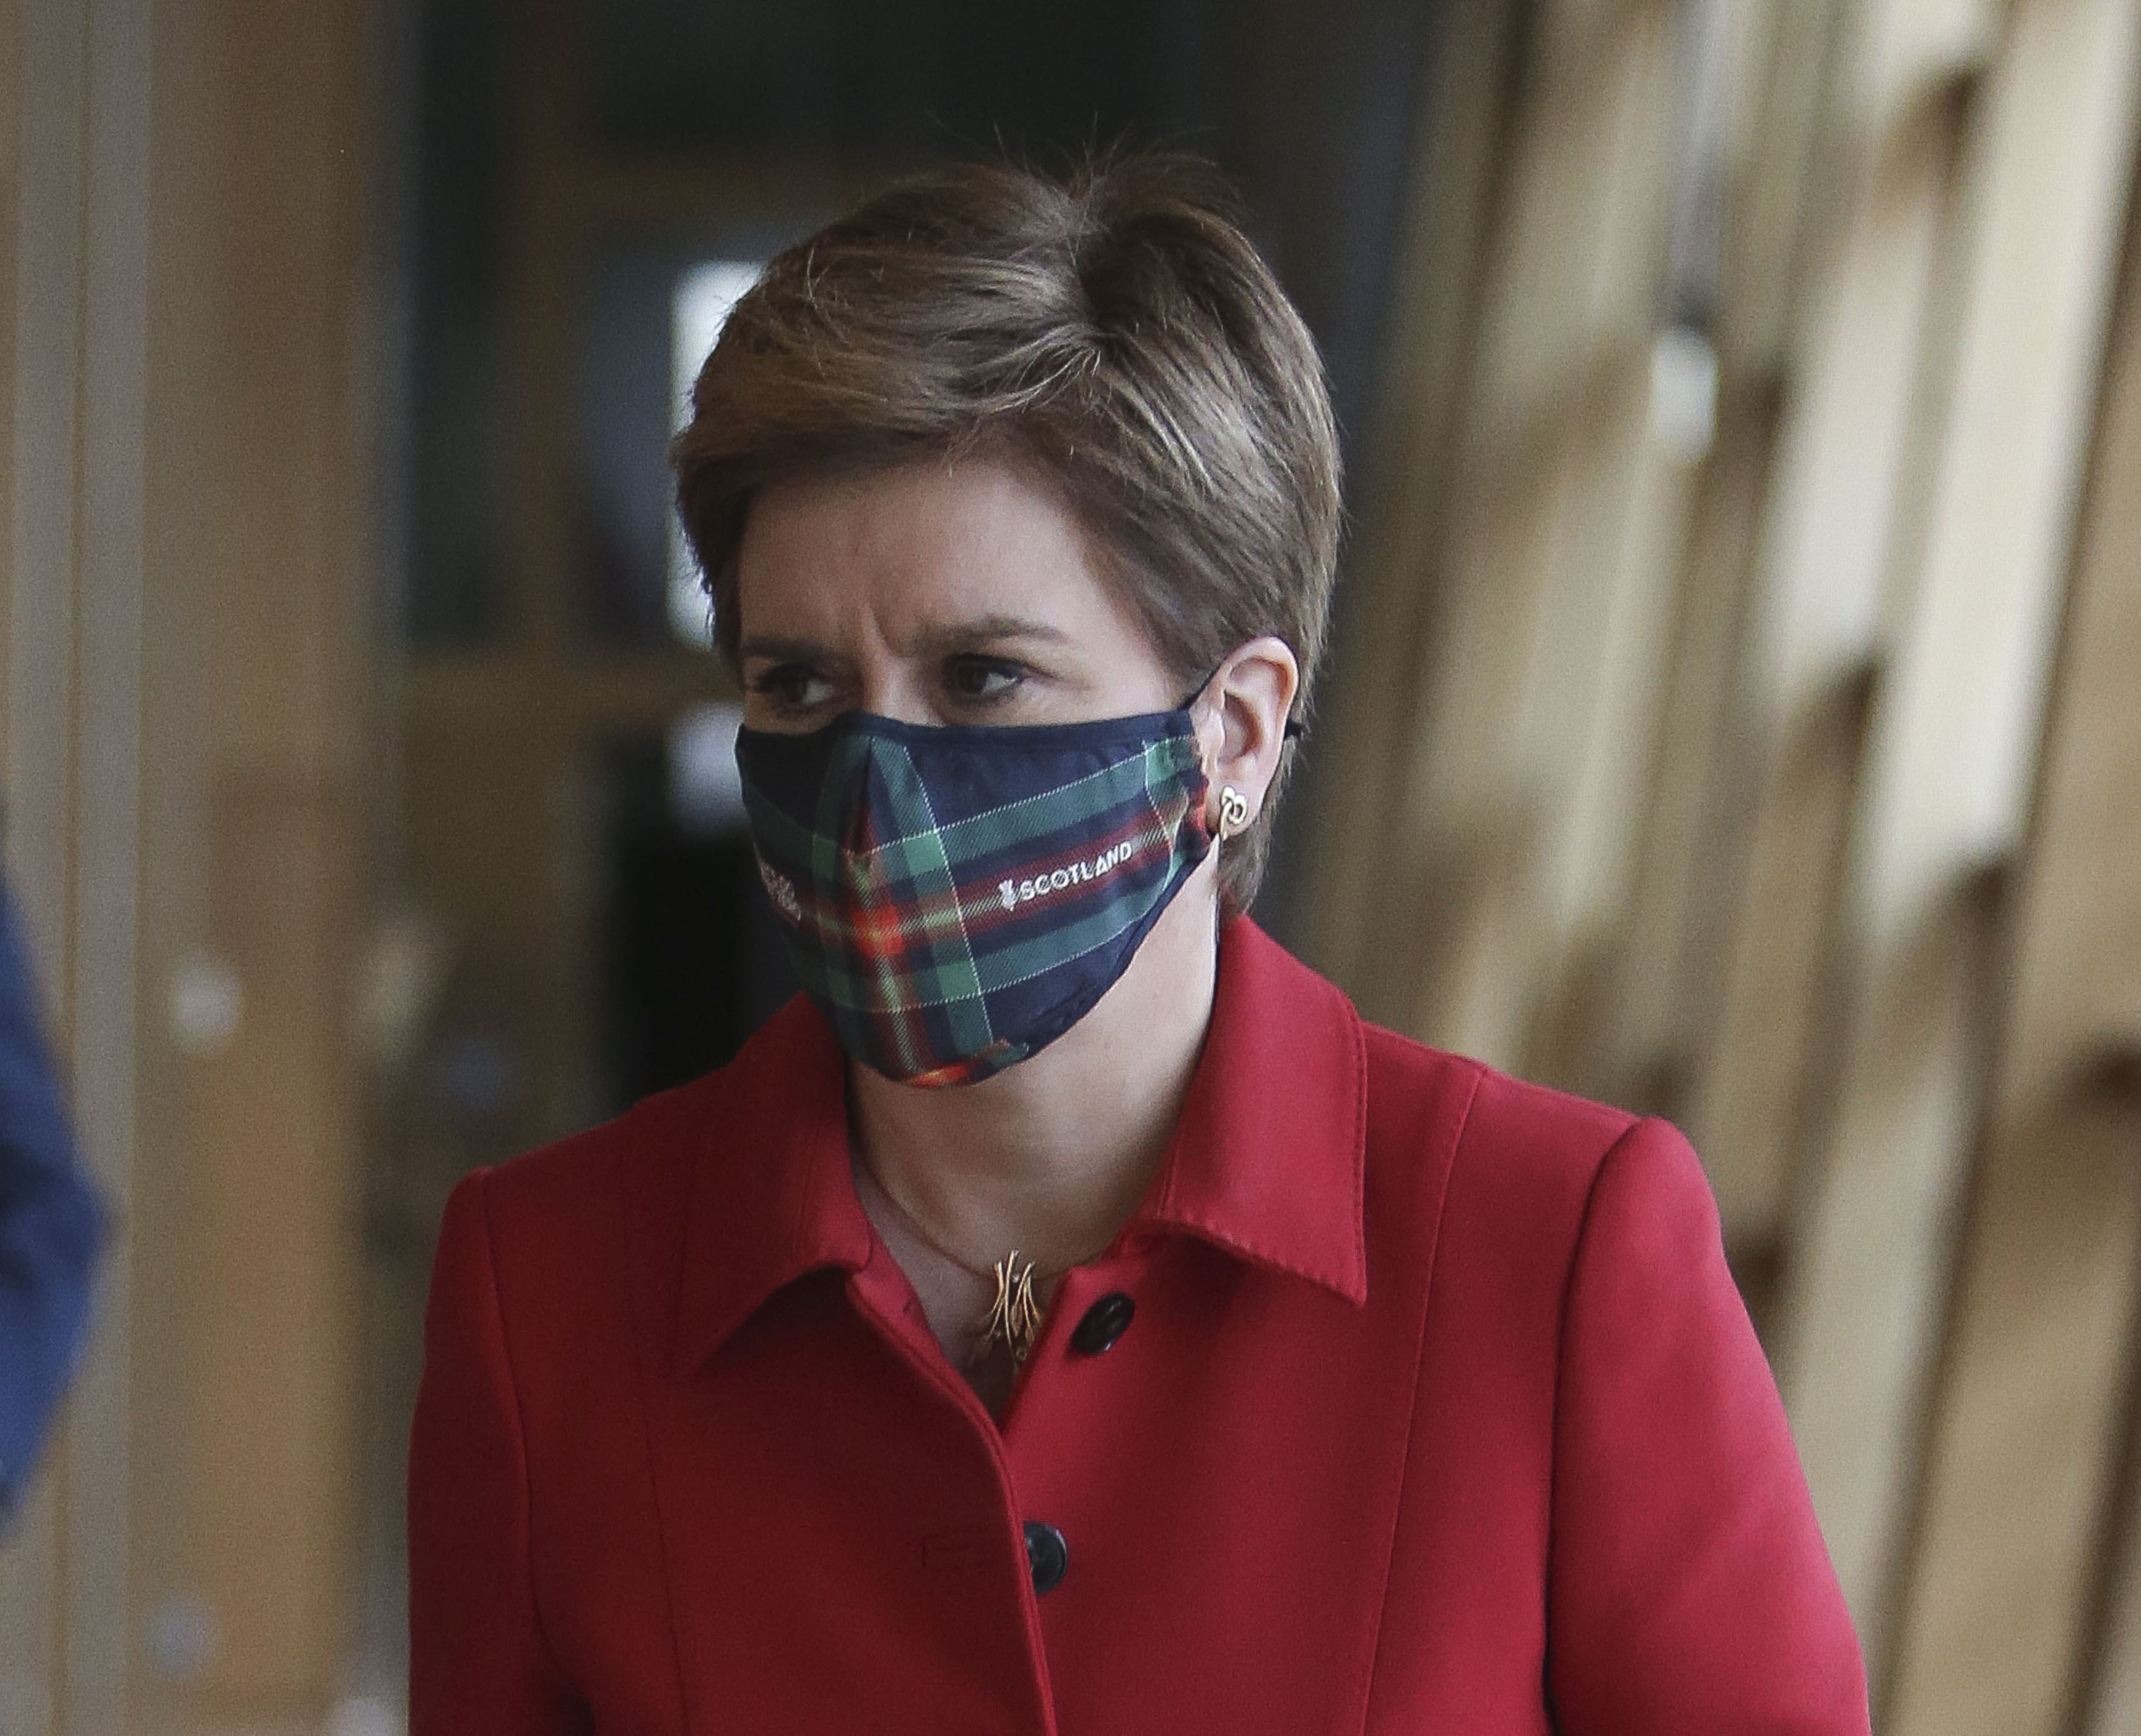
<point x="956" y="899"/>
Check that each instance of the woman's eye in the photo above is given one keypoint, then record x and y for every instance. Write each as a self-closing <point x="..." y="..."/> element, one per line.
<point x="792" y="686"/>
<point x="976" y="681"/>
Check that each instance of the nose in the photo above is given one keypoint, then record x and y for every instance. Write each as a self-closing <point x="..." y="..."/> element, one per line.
<point x="891" y="686"/>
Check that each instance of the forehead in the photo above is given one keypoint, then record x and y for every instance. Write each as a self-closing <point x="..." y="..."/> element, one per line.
<point x="914" y="547"/>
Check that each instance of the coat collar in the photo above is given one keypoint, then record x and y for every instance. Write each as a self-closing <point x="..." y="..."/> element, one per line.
<point x="1269" y="1159"/>
<point x="1267" y="1163"/>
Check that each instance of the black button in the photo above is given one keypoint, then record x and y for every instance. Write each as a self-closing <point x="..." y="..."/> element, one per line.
<point x="1047" y="1554"/>
<point x="1105" y="1322"/>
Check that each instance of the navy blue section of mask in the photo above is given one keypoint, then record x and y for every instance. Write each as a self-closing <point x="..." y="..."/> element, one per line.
<point x="810" y="748"/>
<point x="963" y="764"/>
<point x="1040" y="1011"/>
<point x="970" y="769"/>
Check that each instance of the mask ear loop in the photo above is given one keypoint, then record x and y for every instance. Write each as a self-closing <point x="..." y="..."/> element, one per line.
<point x="1294" y="730"/>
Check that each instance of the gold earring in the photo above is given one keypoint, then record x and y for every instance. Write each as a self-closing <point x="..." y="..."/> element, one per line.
<point x="1234" y="811"/>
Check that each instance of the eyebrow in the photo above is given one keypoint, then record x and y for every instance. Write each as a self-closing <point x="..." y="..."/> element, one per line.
<point x="782" y="651"/>
<point x="980" y="629"/>
<point x="990" y="630"/>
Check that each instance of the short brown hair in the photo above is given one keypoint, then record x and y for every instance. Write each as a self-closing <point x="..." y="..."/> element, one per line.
<point x="1115" y="331"/>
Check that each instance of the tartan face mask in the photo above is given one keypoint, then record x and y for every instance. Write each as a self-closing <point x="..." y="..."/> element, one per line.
<point x="956" y="897"/>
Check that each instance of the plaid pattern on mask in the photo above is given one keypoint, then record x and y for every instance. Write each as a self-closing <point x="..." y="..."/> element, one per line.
<point x="955" y="899"/>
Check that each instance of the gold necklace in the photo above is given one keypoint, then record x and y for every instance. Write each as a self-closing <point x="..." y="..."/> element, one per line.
<point x="1014" y="1316"/>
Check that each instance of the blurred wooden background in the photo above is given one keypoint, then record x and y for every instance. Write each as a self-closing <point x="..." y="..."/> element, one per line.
<point x="187" y="496"/>
<point x="1737" y="715"/>
<point x="1744" y="724"/>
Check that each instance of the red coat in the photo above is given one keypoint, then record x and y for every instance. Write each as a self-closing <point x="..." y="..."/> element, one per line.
<point x="1437" y="1411"/>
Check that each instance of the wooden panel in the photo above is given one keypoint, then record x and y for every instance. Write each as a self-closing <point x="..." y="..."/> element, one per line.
<point x="1664" y="991"/>
<point x="1847" y="440"/>
<point x="2031" y="1423"/>
<point x="10" y="205"/>
<point x="1563" y="538"/>
<point x="29" y="1563"/>
<point x="270" y="1448"/>
<point x="262" y="486"/>
<point x="1908" y="49"/>
<point x="1759" y="1070"/>
<point x="2018" y="1478"/>
<point x="1576" y="273"/>
<point x="1606" y="643"/>
<point x="1868" y="1276"/>
<point x="45" y="1589"/>
<point x="1390" y="600"/>
<point x="103" y="1037"/>
<point x="2111" y="1692"/>
<point x="1951" y="756"/>
<point x="201" y="161"/>
<point x="1532" y="777"/>
<point x="1610" y="735"/>
<point x="505" y="862"/>
<point x="45" y="413"/>
<point x="1870" y="341"/>
<point x="1775" y="199"/>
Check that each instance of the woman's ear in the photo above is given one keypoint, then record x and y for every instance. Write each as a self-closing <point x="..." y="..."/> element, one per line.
<point x="1243" y="727"/>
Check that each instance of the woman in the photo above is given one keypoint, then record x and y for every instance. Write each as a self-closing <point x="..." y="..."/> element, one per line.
<point x="1068" y="1316"/>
